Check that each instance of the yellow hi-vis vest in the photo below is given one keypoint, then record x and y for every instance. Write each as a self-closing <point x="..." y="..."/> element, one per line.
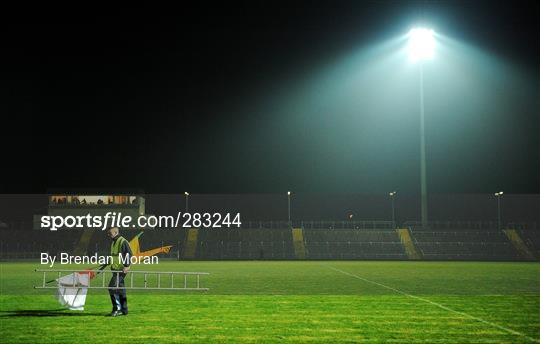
<point x="115" y="251"/>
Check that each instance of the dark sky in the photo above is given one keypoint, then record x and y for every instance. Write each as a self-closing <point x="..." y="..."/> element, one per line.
<point x="170" y="100"/>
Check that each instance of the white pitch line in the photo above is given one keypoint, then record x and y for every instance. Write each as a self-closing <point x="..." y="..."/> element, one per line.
<point x="438" y="305"/>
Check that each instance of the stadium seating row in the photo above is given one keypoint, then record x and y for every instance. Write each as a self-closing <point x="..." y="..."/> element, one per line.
<point x="464" y="245"/>
<point x="531" y="238"/>
<point x="277" y="243"/>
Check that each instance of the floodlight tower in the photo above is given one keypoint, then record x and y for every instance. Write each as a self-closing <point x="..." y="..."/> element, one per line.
<point x="289" y="206"/>
<point x="498" y="195"/>
<point x="392" y="199"/>
<point x="186" y="194"/>
<point x="421" y="48"/>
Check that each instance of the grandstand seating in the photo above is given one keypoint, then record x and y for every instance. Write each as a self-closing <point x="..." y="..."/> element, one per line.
<point x="245" y="243"/>
<point x="353" y="244"/>
<point x="24" y="243"/>
<point x="531" y="238"/>
<point x="19" y="244"/>
<point x="322" y="240"/>
<point x="464" y="244"/>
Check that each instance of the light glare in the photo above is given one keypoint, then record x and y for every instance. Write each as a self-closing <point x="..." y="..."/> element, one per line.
<point x="421" y="44"/>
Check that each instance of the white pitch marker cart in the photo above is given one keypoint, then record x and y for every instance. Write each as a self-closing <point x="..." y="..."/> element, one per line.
<point x="72" y="285"/>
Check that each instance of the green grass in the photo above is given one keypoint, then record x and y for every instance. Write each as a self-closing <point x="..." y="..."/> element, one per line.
<point x="293" y="301"/>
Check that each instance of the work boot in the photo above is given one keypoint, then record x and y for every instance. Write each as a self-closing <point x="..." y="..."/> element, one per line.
<point x="115" y="313"/>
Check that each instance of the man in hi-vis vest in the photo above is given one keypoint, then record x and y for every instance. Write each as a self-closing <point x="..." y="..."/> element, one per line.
<point x="119" y="246"/>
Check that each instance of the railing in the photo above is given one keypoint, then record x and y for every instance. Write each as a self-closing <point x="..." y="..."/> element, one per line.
<point x="360" y="224"/>
<point x="523" y="225"/>
<point x="453" y="224"/>
<point x="366" y="224"/>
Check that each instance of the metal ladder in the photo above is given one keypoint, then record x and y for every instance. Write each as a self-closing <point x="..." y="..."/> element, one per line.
<point x="191" y="281"/>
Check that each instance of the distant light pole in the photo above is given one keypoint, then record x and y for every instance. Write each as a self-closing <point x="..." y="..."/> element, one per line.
<point x="421" y="47"/>
<point x="186" y="195"/>
<point x="499" y="195"/>
<point x="392" y="199"/>
<point x="289" y="206"/>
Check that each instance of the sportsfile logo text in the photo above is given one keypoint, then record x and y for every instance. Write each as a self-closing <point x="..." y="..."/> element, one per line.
<point x="113" y="219"/>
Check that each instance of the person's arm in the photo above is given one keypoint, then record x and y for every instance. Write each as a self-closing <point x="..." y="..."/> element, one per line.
<point x="126" y="252"/>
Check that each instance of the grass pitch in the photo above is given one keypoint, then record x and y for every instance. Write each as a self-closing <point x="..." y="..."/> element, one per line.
<point x="294" y="301"/>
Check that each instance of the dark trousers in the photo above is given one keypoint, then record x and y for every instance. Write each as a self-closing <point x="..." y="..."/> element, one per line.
<point x="118" y="296"/>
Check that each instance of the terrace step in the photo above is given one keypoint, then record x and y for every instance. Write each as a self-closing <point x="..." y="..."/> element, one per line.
<point x="407" y="242"/>
<point x="298" y="242"/>
<point x="518" y="244"/>
<point x="190" y="246"/>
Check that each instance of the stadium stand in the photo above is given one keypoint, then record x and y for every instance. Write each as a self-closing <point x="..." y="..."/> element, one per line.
<point x="274" y="240"/>
<point x="531" y="238"/>
<point x="353" y="244"/>
<point x="464" y="244"/>
<point x="245" y="243"/>
<point x="21" y="243"/>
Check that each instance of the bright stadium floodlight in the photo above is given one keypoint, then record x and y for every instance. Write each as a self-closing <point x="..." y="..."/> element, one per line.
<point x="421" y="48"/>
<point x="421" y="44"/>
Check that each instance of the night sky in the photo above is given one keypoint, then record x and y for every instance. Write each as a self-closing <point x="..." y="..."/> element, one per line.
<point x="188" y="98"/>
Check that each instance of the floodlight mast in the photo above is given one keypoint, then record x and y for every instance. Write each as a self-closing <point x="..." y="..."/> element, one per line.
<point x="186" y="194"/>
<point x="289" y="207"/>
<point x="421" y="48"/>
<point x="392" y="199"/>
<point x="499" y="195"/>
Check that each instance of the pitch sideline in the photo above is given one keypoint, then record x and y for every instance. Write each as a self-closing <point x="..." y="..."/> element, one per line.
<point x="437" y="305"/>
